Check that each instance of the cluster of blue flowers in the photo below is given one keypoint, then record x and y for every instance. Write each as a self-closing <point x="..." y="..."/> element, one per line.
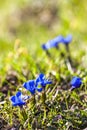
<point x="32" y="86"/>
<point x="76" y="81"/>
<point x="55" y="42"/>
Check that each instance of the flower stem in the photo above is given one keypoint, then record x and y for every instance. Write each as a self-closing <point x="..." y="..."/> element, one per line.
<point x="43" y="96"/>
<point x="48" y="54"/>
<point x="68" y="54"/>
<point x="33" y="101"/>
<point x="23" y="113"/>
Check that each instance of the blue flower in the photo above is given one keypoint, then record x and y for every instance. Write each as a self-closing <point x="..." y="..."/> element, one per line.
<point x="31" y="86"/>
<point x="41" y="80"/>
<point x="18" y="99"/>
<point x="76" y="82"/>
<point x="67" y="39"/>
<point x="52" y="43"/>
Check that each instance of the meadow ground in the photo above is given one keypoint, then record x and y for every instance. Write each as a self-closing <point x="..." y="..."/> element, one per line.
<point x="25" y="25"/>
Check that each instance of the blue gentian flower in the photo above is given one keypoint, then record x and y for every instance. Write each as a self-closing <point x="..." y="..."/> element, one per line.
<point x="52" y="43"/>
<point x="18" y="99"/>
<point x="31" y="86"/>
<point x="41" y="80"/>
<point x="76" y="82"/>
<point x="67" y="39"/>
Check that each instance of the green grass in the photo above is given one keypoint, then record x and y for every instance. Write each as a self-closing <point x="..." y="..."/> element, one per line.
<point x="19" y="62"/>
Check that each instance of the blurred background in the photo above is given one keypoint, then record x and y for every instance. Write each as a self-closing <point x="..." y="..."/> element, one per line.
<point x="35" y="22"/>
